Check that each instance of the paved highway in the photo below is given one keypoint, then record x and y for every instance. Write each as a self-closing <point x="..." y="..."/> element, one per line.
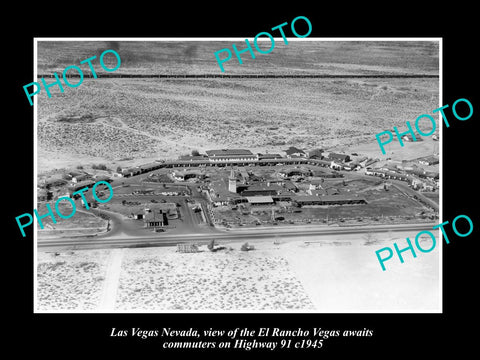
<point x="232" y="236"/>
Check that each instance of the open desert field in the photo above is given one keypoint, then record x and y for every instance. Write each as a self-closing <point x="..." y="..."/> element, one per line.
<point x="71" y="281"/>
<point x="126" y="121"/>
<point x="326" y="274"/>
<point x="112" y="119"/>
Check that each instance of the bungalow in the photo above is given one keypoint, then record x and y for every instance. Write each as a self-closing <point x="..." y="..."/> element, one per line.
<point x="155" y="219"/>
<point x="220" y="200"/>
<point x="289" y="172"/>
<point x="429" y="160"/>
<point x="354" y="165"/>
<point x="349" y="167"/>
<point x="339" y="157"/>
<point x="294" y="152"/>
<point x="290" y="186"/>
<point x="156" y="215"/>
<point x="316" y="154"/>
<point x="184" y="175"/>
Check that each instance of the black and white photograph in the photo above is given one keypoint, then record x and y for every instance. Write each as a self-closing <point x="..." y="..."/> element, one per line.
<point x="178" y="187"/>
<point x="190" y="181"/>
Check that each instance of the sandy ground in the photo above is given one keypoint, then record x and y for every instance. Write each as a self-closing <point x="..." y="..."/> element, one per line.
<point x="347" y="277"/>
<point x="71" y="281"/>
<point x="233" y="280"/>
<point x="410" y="150"/>
<point x="324" y="275"/>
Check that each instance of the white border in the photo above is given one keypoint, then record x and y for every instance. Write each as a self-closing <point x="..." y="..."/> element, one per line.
<point x="228" y="39"/>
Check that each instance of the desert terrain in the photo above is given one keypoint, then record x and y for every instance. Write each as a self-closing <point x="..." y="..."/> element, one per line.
<point x="120" y="122"/>
<point x="335" y="274"/>
<point x="129" y="121"/>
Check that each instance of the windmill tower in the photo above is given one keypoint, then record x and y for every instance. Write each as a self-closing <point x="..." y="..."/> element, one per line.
<point x="232" y="182"/>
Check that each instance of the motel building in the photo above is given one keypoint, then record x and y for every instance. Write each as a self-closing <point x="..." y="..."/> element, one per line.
<point x="154" y="218"/>
<point x="260" y="200"/>
<point x="429" y="160"/>
<point x="231" y="155"/>
<point x="185" y="175"/>
<point x="293" y="152"/>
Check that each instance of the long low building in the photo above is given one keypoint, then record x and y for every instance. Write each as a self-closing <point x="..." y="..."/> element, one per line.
<point x="231" y="155"/>
<point x="329" y="200"/>
<point x="218" y="160"/>
<point x="262" y="190"/>
<point x="260" y="200"/>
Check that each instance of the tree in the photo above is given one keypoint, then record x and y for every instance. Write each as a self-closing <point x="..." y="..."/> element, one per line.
<point x="119" y="169"/>
<point x="195" y="153"/>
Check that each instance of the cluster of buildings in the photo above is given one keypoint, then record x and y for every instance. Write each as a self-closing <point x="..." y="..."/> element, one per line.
<point x="236" y="189"/>
<point x="416" y="176"/>
<point x="72" y="181"/>
<point x="244" y="157"/>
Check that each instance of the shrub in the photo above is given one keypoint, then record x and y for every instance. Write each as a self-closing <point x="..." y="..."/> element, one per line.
<point x="246" y="247"/>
